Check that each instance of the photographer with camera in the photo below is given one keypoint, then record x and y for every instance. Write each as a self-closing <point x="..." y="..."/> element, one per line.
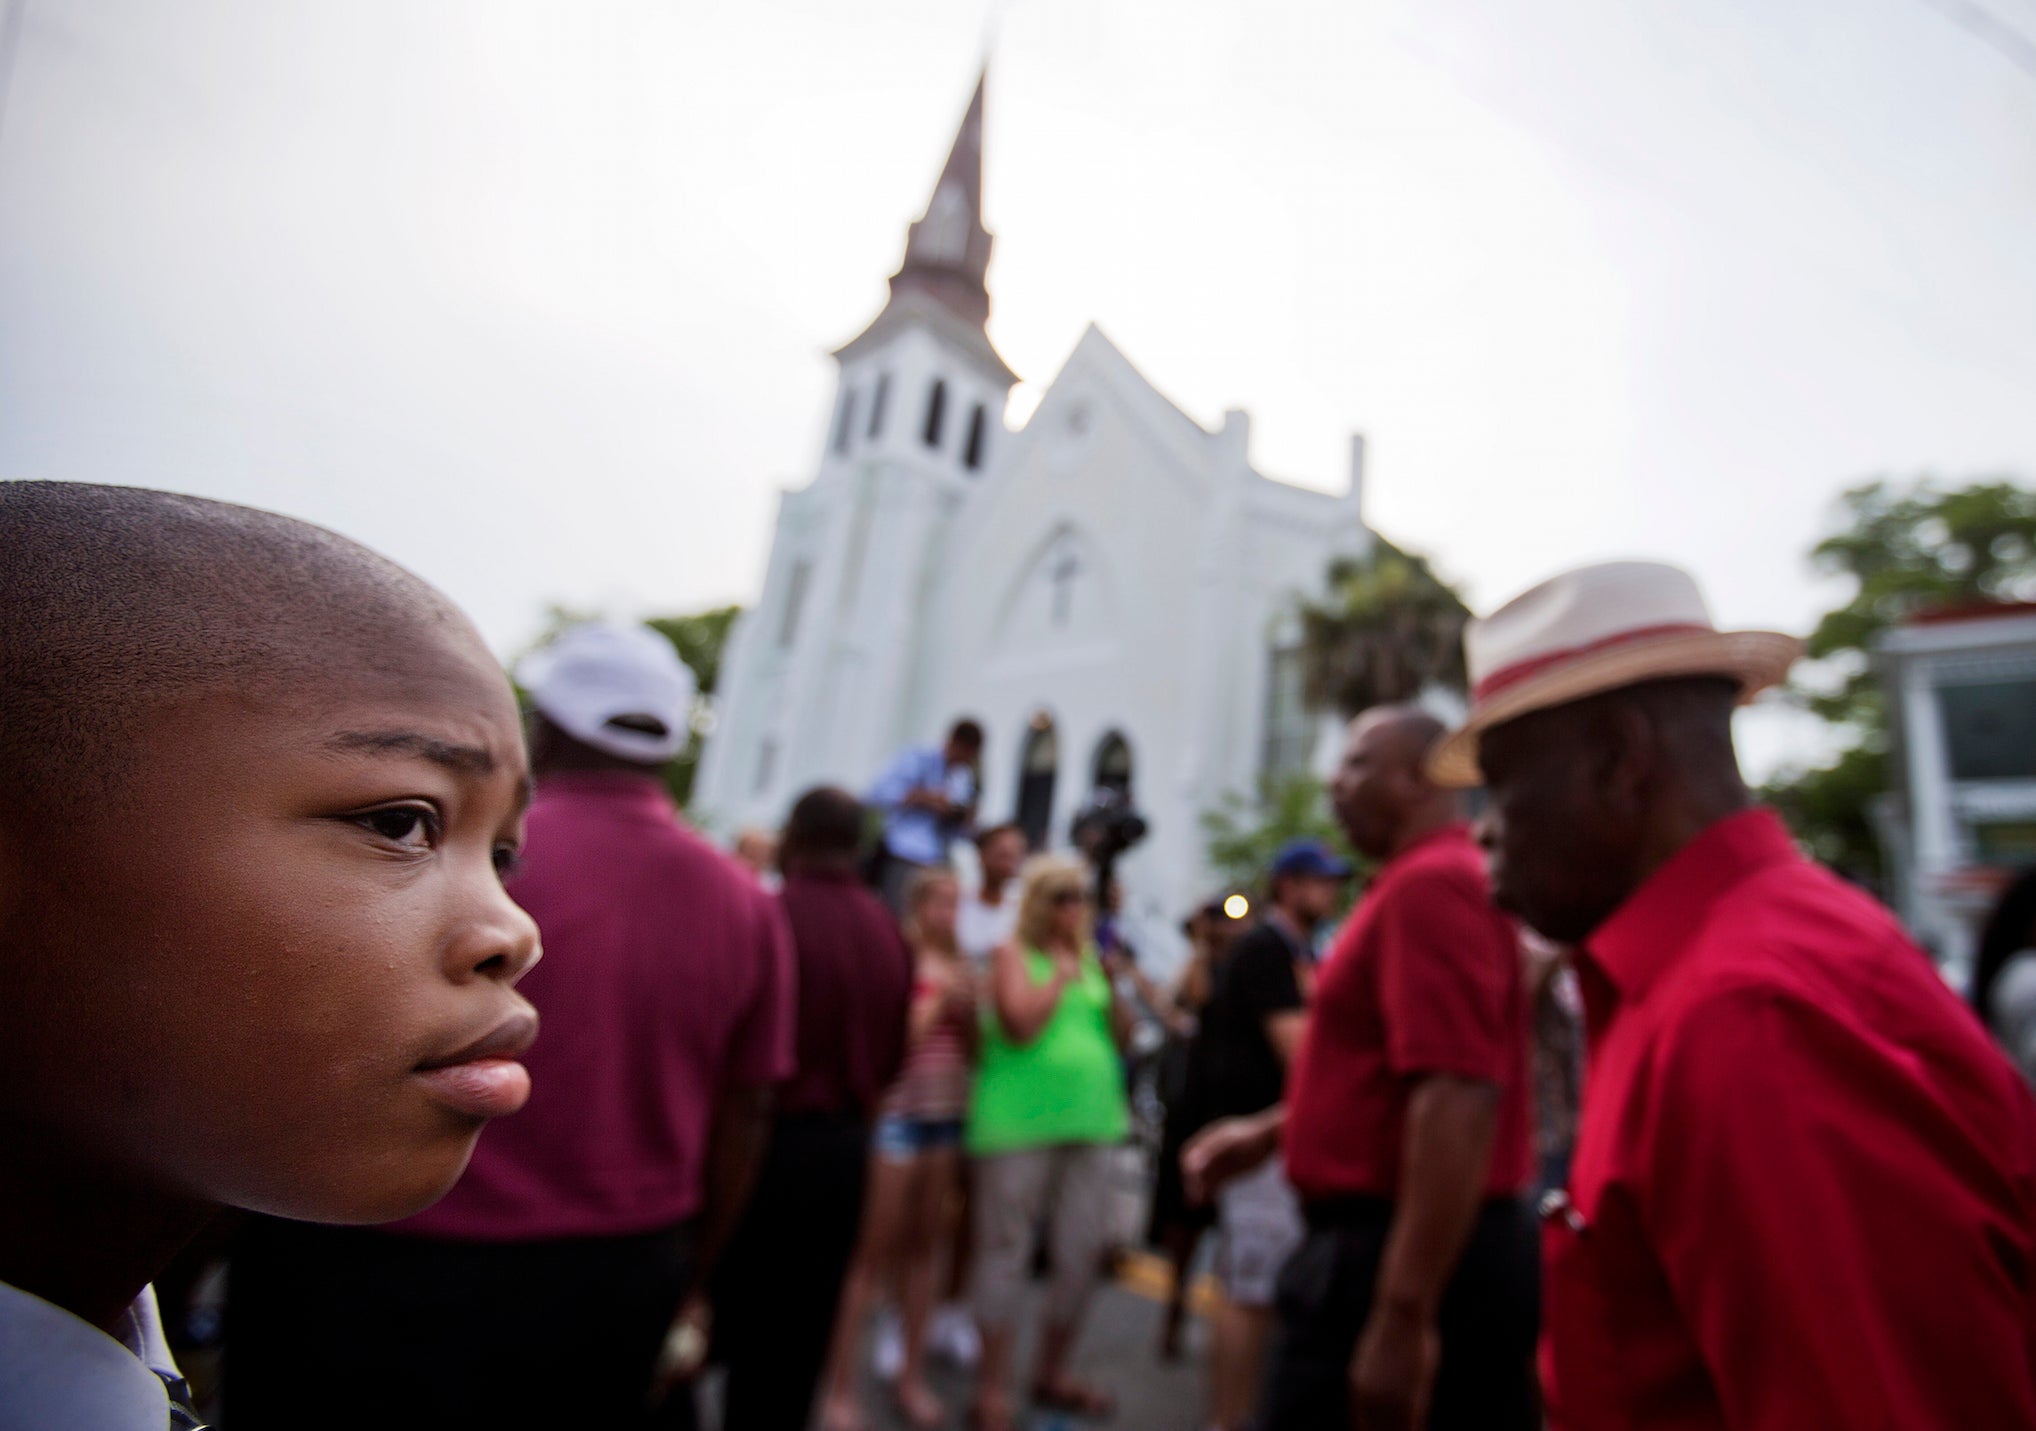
<point x="1101" y="832"/>
<point x="928" y="798"/>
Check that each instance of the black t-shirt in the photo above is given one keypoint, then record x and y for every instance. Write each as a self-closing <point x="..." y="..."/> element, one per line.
<point x="1242" y="1071"/>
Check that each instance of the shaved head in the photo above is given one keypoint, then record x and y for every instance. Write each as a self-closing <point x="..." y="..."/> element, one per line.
<point x="117" y="602"/>
<point x="1402" y="733"/>
<point x="258" y="788"/>
<point x="1382" y="793"/>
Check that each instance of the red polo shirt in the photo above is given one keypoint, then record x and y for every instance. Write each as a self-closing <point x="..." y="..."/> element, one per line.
<point x="855" y="994"/>
<point x="1804" y="1192"/>
<point x="1425" y="978"/>
<point x="667" y="978"/>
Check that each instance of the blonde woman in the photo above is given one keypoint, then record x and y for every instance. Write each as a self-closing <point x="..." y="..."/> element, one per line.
<point x="915" y="1174"/>
<point x="1048" y="1107"/>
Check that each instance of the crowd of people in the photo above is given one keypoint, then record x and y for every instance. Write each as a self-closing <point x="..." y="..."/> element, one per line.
<point x="287" y="881"/>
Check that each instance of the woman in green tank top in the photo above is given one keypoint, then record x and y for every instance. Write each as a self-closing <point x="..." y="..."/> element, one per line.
<point x="1047" y="1108"/>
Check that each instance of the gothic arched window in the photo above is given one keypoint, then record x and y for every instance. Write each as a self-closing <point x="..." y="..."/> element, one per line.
<point x="936" y="411"/>
<point x="1113" y="764"/>
<point x="1038" y="767"/>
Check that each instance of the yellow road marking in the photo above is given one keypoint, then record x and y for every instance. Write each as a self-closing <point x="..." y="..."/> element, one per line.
<point x="1152" y="1277"/>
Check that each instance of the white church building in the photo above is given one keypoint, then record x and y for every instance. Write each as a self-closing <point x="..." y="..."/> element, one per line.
<point x="1109" y="590"/>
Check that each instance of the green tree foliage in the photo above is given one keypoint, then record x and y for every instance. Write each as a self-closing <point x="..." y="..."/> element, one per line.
<point x="1242" y="836"/>
<point x="1389" y="629"/>
<point x="1902" y="549"/>
<point x="1906" y="550"/>
<point x="700" y="639"/>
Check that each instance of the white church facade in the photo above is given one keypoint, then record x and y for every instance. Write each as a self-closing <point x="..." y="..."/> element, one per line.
<point x="1110" y="590"/>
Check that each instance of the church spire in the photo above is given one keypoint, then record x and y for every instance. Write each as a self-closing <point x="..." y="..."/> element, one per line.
<point x="947" y="252"/>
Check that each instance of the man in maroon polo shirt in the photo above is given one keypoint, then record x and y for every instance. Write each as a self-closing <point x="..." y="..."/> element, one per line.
<point x="539" y="1290"/>
<point x="1804" y="1190"/>
<point x="776" y="1294"/>
<point x="1412" y="1300"/>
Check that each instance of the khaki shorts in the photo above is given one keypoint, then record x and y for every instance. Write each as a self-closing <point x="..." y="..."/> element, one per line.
<point x="1066" y="1187"/>
<point x="1258" y="1224"/>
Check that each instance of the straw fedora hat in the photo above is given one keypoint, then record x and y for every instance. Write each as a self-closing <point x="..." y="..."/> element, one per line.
<point x="1596" y="629"/>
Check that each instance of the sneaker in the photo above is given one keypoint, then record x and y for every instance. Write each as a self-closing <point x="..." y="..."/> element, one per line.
<point x="953" y="1335"/>
<point x="887" y="1346"/>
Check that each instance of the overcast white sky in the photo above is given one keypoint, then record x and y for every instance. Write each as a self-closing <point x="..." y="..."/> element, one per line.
<point x="537" y="298"/>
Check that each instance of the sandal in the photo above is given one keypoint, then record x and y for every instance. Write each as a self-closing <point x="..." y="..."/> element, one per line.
<point x="1091" y="1403"/>
<point x="926" y="1414"/>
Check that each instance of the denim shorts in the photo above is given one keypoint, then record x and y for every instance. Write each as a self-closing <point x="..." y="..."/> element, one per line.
<point x="899" y="1137"/>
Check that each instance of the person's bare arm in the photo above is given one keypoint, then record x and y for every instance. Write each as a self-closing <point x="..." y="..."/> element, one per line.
<point x="1230" y="1148"/>
<point x="1283" y="1031"/>
<point x="1192" y="992"/>
<point x="735" y="1146"/>
<point x="736" y="1137"/>
<point x="1023" y="1007"/>
<point x="1445" y="1156"/>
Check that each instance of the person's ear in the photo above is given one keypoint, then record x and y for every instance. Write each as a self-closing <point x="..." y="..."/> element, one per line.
<point x="1412" y="787"/>
<point x="1629" y="759"/>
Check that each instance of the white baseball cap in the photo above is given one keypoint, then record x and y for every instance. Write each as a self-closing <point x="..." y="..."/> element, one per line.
<point x="602" y="671"/>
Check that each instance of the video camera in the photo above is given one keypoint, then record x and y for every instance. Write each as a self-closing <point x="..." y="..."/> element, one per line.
<point x="1102" y="830"/>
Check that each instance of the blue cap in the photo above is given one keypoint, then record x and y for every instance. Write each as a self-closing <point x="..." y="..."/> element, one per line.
<point x="1307" y="856"/>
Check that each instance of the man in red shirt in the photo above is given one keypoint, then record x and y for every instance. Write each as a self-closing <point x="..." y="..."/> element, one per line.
<point x="1804" y="1191"/>
<point x="540" y="1289"/>
<point x="778" y="1288"/>
<point x="1412" y="1300"/>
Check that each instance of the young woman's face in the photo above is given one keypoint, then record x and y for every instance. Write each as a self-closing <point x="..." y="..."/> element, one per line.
<point x="284" y="960"/>
<point x="938" y="903"/>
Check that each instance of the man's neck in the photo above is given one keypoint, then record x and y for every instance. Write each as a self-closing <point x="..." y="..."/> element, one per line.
<point x="992" y="892"/>
<point x="1423" y="823"/>
<point x="1678" y="822"/>
<point x="823" y="866"/>
<point x="84" y="1238"/>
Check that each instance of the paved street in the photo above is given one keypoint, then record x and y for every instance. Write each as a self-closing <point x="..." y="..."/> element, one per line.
<point x="1115" y="1351"/>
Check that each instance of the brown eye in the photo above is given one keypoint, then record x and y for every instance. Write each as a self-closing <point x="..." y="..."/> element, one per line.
<point x="411" y="825"/>
<point x="508" y="859"/>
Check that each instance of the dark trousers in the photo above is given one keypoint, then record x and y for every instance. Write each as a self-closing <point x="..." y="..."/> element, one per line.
<point x="778" y="1284"/>
<point x="349" y="1327"/>
<point x="1489" y="1319"/>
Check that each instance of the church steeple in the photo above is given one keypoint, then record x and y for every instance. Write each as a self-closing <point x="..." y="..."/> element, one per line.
<point x="947" y="252"/>
<point x="940" y="288"/>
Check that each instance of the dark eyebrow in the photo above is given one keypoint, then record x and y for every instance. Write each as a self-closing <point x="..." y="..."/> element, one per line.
<point x="465" y="759"/>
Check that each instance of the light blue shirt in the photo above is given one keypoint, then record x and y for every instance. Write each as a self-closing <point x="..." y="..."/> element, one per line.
<point x="911" y="833"/>
<point x="58" y="1371"/>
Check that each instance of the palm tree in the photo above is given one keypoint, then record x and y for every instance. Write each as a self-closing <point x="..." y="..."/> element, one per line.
<point x="1389" y="629"/>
